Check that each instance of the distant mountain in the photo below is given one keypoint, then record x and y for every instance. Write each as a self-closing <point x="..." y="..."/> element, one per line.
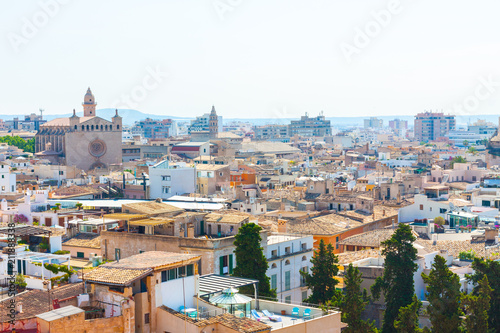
<point x="131" y="116"/>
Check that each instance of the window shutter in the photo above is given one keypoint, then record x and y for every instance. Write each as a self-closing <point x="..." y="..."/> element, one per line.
<point x="221" y="265"/>
<point x="230" y="264"/>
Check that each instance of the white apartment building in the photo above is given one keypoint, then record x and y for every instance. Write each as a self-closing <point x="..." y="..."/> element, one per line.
<point x="167" y="179"/>
<point x="7" y="179"/>
<point x="287" y="255"/>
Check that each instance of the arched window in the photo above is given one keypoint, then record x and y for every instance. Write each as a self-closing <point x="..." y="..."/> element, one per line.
<point x="76" y="127"/>
<point x="106" y="127"/>
<point x="273" y="266"/>
<point x="304" y="258"/>
<point x="83" y="127"/>
<point x="287" y="262"/>
<point x="102" y="127"/>
<point x="117" y="126"/>
<point x="88" y="128"/>
<point x="91" y="127"/>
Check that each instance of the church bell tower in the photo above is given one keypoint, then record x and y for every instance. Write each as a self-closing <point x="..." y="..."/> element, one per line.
<point x="89" y="104"/>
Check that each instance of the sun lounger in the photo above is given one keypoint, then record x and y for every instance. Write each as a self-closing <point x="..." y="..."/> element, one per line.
<point x="271" y="316"/>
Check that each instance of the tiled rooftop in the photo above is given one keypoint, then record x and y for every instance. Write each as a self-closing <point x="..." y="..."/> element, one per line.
<point x="35" y="302"/>
<point x="85" y="240"/>
<point x="152" y="207"/>
<point x="370" y="238"/>
<point x="121" y="276"/>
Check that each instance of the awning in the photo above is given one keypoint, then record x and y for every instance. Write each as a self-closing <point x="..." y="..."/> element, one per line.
<point x="212" y="283"/>
<point x="150" y="222"/>
<point x="124" y="216"/>
<point x="25" y="231"/>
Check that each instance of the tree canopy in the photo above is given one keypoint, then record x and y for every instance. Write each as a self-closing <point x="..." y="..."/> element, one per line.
<point x="491" y="269"/>
<point x="443" y="294"/>
<point x="407" y="319"/>
<point x="477" y="307"/>
<point x="354" y="301"/>
<point x="250" y="259"/>
<point x="397" y="281"/>
<point x="322" y="279"/>
<point x="28" y="146"/>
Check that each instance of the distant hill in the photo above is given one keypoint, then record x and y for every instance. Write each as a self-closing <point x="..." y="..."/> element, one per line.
<point x="131" y="116"/>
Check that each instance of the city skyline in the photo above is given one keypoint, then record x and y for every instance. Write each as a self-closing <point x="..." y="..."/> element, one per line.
<point x="173" y="59"/>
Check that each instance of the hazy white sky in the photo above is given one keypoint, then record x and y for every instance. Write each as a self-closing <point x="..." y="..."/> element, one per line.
<point x="252" y="58"/>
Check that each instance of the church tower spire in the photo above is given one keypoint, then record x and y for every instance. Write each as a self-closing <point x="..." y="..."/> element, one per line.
<point x="213" y="124"/>
<point x="89" y="104"/>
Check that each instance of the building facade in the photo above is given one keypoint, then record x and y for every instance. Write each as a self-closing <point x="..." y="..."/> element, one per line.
<point x="311" y="126"/>
<point x="167" y="180"/>
<point x="287" y="255"/>
<point x="373" y="122"/>
<point x="86" y="142"/>
<point x="155" y="129"/>
<point x="431" y="125"/>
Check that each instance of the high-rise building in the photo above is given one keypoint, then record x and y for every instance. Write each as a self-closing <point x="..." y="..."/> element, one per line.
<point x="205" y="127"/>
<point x="374" y="122"/>
<point x="431" y="125"/>
<point x="155" y="129"/>
<point x="311" y="126"/>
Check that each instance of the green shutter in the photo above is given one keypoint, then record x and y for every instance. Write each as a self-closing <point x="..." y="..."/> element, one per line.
<point x="202" y="227"/>
<point x="221" y="265"/>
<point x="230" y="264"/>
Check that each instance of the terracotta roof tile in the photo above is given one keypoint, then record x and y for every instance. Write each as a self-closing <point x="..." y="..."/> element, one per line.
<point x="85" y="240"/>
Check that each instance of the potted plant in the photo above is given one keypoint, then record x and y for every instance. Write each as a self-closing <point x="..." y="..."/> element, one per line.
<point x="20" y="282"/>
<point x="79" y="205"/>
<point x="44" y="246"/>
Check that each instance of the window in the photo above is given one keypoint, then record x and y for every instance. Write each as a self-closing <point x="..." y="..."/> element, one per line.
<point x="80" y="255"/>
<point x="304" y="295"/>
<point x="442" y="210"/>
<point x="274" y="281"/>
<point x="304" y="269"/>
<point x="165" y="178"/>
<point x="273" y="265"/>
<point x="288" y="299"/>
<point x="146" y="318"/>
<point x="287" y="280"/>
<point x="304" y="258"/>
<point x="421" y="207"/>
<point x="190" y="270"/>
<point x="430" y="209"/>
<point x="287" y="262"/>
<point x="287" y="249"/>
<point x="164" y="276"/>
<point x="274" y="253"/>
<point x="226" y="265"/>
<point x="165" y="189"/>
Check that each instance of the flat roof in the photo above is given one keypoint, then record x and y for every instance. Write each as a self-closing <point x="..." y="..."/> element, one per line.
<point x="60" y="313"/>
<point x="212" y="283"/>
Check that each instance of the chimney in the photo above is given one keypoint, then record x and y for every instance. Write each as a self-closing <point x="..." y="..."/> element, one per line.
<point x="282" y="226"/>
<point x="19" y="307"/>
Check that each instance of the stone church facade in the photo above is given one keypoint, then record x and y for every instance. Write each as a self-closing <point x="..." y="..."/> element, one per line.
<point x="87" y="142"/>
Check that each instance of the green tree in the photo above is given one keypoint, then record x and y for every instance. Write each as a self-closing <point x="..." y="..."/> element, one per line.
<point x="354" y="302"/>
<point x="322" y="279"/>
<point x="250" y="259"/>
<point x="491" y="269"/>
<point x="439" y="220"/>
<point x="466" y="143"/>
<point x="472" y="150"/>
<point x="477" y="307"/>
<point x="407" y="319"/>
<point x="397" y="281"/>
<point x="26" y="145"/>
<point x="443" y="294"/>
<point x="458" y="159"/>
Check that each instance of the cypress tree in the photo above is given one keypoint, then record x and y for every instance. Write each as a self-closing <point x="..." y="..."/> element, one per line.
<point x="354" y="302"/>
<point x="397" y="281"/>
<point x="250" y="259"/>
<point x="443" y="287"/>
<point x="491" y="269"/>
<point x="477" y="307"/>
<point x="407" y="320"/>
<point x="322" y="279"/>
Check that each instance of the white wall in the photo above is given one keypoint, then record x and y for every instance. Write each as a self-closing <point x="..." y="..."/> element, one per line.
<point x="430" y="209"/>
<point x="181" y="181"/>
<point x="171" y="293"/>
